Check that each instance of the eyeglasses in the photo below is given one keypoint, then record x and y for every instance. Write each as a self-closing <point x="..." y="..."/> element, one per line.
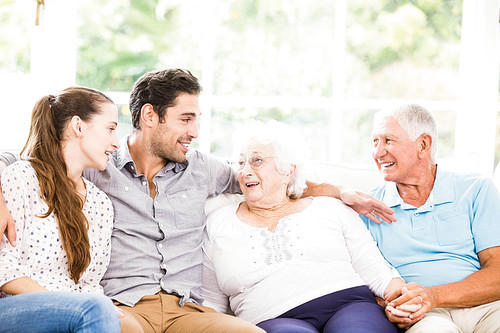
<point x="255" y="162"/>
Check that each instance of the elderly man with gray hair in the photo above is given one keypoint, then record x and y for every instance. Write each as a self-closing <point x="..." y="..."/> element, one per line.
<point x="446" y="241"/>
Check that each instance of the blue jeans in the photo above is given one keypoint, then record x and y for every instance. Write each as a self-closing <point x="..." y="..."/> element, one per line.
<point x="352" y="310"/>
<point x="45" y="312"/>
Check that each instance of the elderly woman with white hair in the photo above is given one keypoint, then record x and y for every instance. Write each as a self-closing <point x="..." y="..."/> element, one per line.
<point x="292" y="264"/>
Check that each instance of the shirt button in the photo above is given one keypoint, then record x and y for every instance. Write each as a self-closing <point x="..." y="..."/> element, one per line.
<point x="160" y="245"/>
<point x="126" y="188"/>
<point x="132" y="167"/>
<point x="184" y="196"/>
<point x="144" y="183"/>
<point x="417" y="214"/>
<point x="161" y="225"/>
<point x="164" y="266"/>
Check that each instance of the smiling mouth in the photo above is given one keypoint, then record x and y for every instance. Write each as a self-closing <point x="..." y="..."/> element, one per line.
<point x="252" y="184"/>
<point x="185" y="145"/>
<point x="386" y="165"/>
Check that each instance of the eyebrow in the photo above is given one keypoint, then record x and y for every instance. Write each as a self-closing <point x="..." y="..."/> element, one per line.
<point x="190" y="114"/>
<point x="387" y="136"/>
<point x="255" y="153"/>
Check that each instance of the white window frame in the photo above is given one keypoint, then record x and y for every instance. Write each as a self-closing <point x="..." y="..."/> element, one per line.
<point x="53" y="67"/>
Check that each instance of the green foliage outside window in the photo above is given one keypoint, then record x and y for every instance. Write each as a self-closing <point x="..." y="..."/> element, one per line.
<point x="280" y="47"/>
<point x="15" y="51"/>
<point x="394" y="49"/>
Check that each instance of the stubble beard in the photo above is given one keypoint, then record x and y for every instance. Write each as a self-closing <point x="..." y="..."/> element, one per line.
<point x="169" y="151"/>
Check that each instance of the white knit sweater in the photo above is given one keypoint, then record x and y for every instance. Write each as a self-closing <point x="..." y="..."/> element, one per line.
<point x="262" y="274"/>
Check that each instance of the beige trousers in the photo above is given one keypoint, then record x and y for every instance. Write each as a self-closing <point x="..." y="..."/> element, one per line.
<point x="478" y="319"/>
<point x="162" y="313"/>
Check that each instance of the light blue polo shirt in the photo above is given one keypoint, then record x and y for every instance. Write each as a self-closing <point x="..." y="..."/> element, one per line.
<point x="438" y="242"/>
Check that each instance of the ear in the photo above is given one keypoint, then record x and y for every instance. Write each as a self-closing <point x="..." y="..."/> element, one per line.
<point x="424" y="145"/>
<point x="75" y="126"/>
<point x="148" y="115"/>
<point x="289" y="176"/>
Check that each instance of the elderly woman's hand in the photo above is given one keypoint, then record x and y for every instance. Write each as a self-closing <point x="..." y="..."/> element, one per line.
<point x="409" y="304"/>
<point x="403" y="322"/>
<point x="366" y="205"/>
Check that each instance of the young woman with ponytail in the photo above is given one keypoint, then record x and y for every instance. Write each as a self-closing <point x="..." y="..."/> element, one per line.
<point x="63" y="222"/>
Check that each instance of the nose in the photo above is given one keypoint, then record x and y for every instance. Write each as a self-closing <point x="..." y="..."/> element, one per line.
<point x="193" y="130"/>
<point x="115" y="143"/>
<point x="379" y="151"/>
<point x="246" y="169"/>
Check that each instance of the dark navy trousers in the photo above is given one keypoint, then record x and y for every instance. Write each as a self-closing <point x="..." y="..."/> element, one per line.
<point x="352" y="310"/>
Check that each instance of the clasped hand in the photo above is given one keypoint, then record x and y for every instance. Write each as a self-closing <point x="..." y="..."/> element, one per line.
<point x="408" y="304"/>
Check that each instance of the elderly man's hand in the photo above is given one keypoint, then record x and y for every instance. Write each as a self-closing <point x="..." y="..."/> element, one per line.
<point x="366" y="205"/>
<point x="7" y="224"/>
<point x="409" y="304"/>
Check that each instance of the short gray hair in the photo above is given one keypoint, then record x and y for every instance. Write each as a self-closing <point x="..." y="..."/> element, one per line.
<point x="415" y="120"/>
<point x="288" y="145"/>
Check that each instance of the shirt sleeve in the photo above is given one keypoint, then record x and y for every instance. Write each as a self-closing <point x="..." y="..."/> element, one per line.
<point x="366" y="258"/>
<point x="8" y="158"/>
<point x="486" y="212"/>
<point x="15" y="184"/>
<point x="211" y="293"/>
<point x="223" y="178"/>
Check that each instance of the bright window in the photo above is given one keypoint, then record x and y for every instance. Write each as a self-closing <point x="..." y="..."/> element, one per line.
<point x="324" y="66"/>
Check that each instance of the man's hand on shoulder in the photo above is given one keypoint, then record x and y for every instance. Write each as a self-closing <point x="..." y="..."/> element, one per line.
<point x="363" y="204"/>
<point x="7" y="223"/>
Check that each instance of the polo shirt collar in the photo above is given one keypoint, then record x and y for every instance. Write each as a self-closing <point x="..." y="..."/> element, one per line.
<point x="443" y="191"/>
<point x="391" y="196"/>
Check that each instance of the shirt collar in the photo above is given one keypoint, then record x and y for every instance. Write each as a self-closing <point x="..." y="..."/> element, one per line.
<point x="123" y="153"/>
<point x="391" y="196"/>
<point x="443" y="191"/>
<point x="175" y="167"/>
<point x="123" y="158"/>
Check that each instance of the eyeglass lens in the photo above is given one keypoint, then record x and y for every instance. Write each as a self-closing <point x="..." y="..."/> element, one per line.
<point x="255" y="162"/>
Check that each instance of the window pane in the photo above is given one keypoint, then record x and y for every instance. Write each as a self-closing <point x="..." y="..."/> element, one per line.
<point x="124" y="120"/>
<point x="17" y="25"/>
<point x="403" y="49"/>
<point x="279" y="47"/>
<point x="131" y="37"/>
<point x="17" y="18"/>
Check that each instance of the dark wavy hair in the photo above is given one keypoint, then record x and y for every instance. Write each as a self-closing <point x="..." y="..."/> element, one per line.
<point x="160" y="89"/>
